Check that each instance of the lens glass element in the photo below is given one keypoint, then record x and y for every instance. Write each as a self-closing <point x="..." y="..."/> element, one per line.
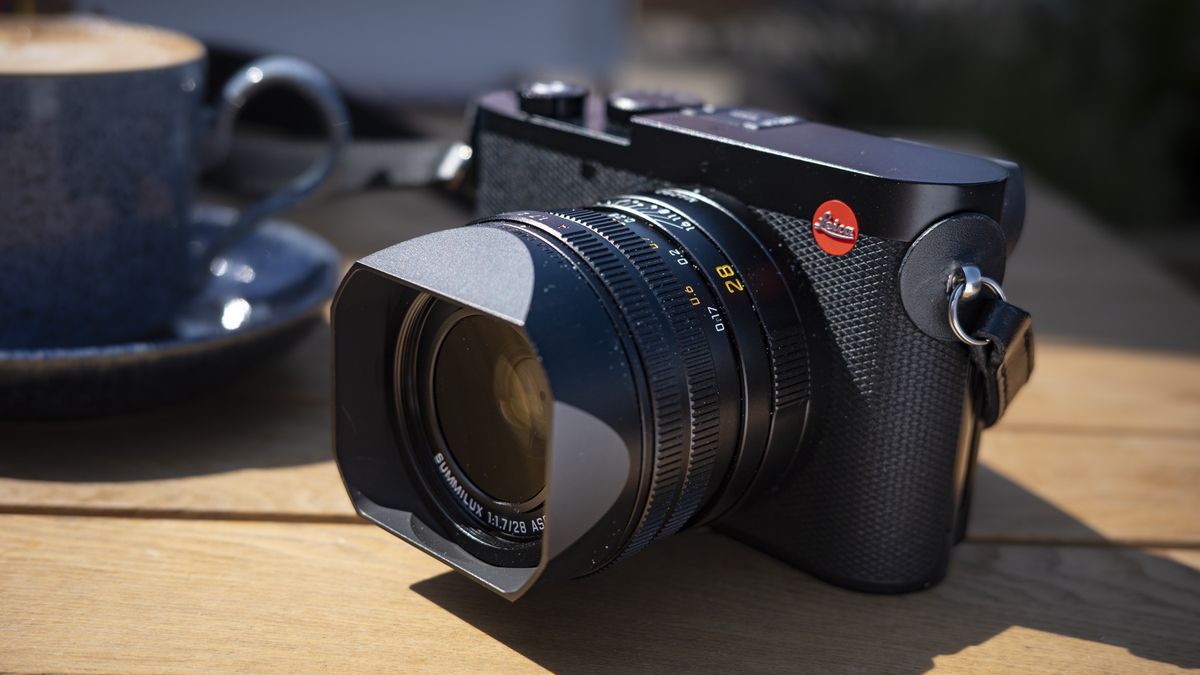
<point x="492" y="403"/>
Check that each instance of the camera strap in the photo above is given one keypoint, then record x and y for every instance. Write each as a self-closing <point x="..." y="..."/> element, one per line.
<point x="261" y="162"/>
<point x="1000" y="342"/>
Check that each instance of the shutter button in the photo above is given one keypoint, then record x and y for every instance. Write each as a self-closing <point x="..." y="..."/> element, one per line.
<point x="553" y="98"/>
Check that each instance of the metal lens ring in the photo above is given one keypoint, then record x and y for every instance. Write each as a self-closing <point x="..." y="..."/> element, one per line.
<point x="675" y="440"/>
<point x="970" y="282"/>
<point x="696" y="313"/>
<point x="628" y="268"/>
<point x="669" y="309"/>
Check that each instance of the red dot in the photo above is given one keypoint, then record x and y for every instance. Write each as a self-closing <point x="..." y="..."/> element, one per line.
<point x="835" y="227"/>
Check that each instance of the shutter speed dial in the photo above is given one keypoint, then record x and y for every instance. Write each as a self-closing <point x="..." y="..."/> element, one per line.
<point x="553" y="98"/>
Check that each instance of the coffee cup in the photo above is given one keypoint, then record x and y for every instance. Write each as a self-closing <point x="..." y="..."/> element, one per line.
<point x="102" y="133"/>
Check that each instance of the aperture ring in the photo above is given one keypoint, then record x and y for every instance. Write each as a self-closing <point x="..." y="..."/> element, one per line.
<point x="608" y="255"/>
<point x="786" y="348"/>
<point x="676" y="491"/>
<point x="663" y="371"/>
<point x="776" y="420"/>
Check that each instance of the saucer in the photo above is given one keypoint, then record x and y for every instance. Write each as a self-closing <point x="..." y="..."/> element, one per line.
<point x="259" y="299"/>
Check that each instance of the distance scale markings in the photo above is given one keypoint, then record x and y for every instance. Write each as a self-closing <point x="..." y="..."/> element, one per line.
<point x="699" y="272"/>
<point x="695" y="286"/>
<point x="692" y="284"/>
<point x="702" y="270"/>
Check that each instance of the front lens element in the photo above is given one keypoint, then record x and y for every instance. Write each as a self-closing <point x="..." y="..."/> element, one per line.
<point x="492" y="404"/>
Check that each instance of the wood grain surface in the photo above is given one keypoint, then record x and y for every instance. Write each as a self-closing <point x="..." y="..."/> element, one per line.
<point x="214" y="535"/>
<point x="134" y="595"/>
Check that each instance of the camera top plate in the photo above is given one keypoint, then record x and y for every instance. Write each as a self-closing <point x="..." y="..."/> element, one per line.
<point x="779" y="162"/>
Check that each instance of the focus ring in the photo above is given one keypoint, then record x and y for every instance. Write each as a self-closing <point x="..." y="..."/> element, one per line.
<point x="789" y="366"/>
<point x="659" y="360"/>
<point x="680" y="479"/>
<point x="646" y="324"/>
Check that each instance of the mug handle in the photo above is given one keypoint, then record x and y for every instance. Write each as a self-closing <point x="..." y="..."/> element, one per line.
<point x="320" y="92"/>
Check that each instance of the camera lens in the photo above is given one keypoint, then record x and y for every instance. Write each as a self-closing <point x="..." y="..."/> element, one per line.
<point x="652" y="333"/>
<point x="492" y="404"/>
<point x="474" y="405"/>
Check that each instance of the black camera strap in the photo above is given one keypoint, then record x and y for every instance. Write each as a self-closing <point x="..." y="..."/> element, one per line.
<point x="1000" y="342"/>
<point x="1005" y="361"/>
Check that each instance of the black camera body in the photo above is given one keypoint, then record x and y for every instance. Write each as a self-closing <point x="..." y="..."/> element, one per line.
<point x="858" y="422"/>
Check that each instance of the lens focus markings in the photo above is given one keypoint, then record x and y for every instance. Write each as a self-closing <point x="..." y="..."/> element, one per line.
<point x="683" y="235"/>
<point x="742" y="320"/>
<point x="764" y="316"/>
<point x="785" y="341"/>
<point x="712" y="352"/>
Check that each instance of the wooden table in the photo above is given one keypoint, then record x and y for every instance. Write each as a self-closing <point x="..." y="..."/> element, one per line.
<point x="215" y="535"/>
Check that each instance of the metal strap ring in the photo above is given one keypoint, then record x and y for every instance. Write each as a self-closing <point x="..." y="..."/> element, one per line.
<point x="956" y="295"/>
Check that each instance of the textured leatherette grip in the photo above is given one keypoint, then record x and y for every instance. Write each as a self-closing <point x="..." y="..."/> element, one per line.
<point x="873" y="506"/>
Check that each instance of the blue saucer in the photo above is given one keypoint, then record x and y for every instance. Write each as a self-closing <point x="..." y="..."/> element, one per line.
<point x="261" y="297"/>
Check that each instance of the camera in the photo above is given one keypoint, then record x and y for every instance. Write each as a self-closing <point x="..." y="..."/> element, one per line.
<point x="668" y="315"/>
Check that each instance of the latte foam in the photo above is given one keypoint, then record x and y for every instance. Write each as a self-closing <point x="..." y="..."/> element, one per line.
<point x="83" y="44"/>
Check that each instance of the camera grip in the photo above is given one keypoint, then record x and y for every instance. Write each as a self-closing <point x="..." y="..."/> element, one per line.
<point x="873" y="506"/>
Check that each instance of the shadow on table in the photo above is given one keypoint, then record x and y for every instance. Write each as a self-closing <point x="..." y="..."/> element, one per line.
<point x="275" y="416"/>
<point x="703" y="601"/>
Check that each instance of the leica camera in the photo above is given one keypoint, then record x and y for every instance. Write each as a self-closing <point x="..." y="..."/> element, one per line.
<point x="668" y="315"/>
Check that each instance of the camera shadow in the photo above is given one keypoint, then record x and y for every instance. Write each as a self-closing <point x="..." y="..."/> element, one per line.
<point x="702" y="601"/>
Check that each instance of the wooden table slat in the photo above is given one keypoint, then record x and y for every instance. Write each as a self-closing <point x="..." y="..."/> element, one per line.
<point x="82" y="594"/>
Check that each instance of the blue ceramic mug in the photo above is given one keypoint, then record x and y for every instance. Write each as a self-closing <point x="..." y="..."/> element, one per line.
<point x="102" y="132"/>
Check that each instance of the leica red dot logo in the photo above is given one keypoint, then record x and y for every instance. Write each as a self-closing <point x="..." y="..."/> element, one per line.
<point x="835" y="227"/>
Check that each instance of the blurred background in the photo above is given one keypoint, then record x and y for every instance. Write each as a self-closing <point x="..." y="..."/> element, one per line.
<point x="1100" y="99"/>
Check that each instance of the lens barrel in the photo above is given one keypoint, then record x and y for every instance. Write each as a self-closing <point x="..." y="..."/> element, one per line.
<point x="568" y="386"/>
<point x="712" y="371"/>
